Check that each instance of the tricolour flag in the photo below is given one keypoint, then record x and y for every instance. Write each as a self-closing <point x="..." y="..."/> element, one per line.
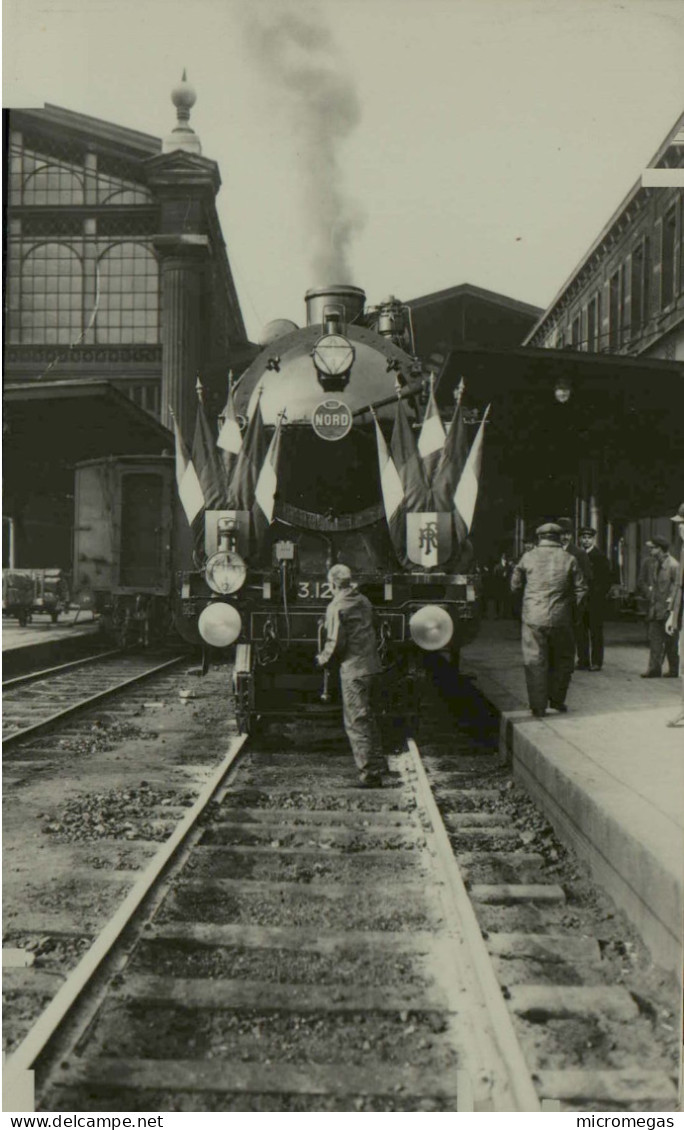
<point x="392" y="493"/>
<point x="267" y="483"/>
<point x="432" y="435"/>
<point x="408" y="463"/>
<point x="189" y="488"/>
<point x="249" y="463"/>
<point x="451" y="461"/>
<point x="207" y="465"/>
<point x="229" y="437"/>
<point x="465" y="495"/>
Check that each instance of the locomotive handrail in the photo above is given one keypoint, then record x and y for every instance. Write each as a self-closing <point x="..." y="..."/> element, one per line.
<point x="402" y="394"/>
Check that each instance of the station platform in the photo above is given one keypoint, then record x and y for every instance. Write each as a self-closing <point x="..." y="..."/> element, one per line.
<point x="609" y="774"/>
<point x="42" y="643"/>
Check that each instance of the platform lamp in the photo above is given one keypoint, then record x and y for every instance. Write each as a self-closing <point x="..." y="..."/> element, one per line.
<point x="563" y="390"/>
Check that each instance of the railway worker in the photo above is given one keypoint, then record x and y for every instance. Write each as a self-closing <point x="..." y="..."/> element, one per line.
<point x="579" y="613"/>
<point x="350" y="637"/>
<point x="661" y="601"/>
<point x="553" y="587"/>
<point x="675" y="621"/>
<point x="590" y="638"/>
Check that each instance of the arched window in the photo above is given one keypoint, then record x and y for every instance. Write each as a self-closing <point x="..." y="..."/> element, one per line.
<point x="53" y="185"/>
<point x="128" y="195"/>
<point x="51" y="302"/>
<point x="129" y="295"/>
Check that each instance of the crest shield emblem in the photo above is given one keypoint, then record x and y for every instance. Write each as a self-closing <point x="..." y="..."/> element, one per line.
<point x="428" y="538"/>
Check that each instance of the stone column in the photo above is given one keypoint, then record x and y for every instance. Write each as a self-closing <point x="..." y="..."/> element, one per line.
<point x="182" y="267"/>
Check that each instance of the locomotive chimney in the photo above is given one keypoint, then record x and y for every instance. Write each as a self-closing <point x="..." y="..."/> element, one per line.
<point x="347" y="302"/>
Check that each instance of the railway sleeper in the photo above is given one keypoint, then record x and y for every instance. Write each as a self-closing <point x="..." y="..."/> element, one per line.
<point x="231" y="1077"/>
<point x="509" y="893"/>
<point x="539" y="1003"/>
<point x="613" y="1090"/>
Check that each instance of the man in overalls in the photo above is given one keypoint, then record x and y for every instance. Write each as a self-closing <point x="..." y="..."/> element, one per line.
<point x="350" y="637"/>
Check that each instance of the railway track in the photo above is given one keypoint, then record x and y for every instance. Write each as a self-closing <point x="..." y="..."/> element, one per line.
<point x="302" y="945"/>
<point x="38" y="701"/>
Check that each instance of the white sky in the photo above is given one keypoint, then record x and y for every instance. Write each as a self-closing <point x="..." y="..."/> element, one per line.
<point x="495" y="136"/>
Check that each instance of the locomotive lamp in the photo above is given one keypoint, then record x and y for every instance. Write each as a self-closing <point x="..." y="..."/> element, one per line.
<point x="225" y="572"/>
<point x="333" y="357"/>
<point x="219" y="624"/>
<point x="431" y="627"/>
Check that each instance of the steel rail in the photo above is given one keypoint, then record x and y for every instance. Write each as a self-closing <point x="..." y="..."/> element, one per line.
<point x="57" y="1012"/>
<point x="61" y="668"/>
<point x="493" y="1042"/>
<point x="84" y="704"/>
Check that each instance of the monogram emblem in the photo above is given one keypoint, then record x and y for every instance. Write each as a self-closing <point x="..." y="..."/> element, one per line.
<point x="428" y="538"/>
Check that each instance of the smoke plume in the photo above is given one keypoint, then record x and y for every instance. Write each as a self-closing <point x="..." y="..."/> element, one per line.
<point x="297" y="55"/>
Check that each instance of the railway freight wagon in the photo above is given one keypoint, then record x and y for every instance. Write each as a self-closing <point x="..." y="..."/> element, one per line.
<point x="320" y="499"/>
<point x="123" y="544"/>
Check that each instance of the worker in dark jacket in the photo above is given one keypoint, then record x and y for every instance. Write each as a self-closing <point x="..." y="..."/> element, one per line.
<point x="553" y="587"/>
<point x="662" y="596"/>
<point x="674" y="625"/>
<point x="580" y="556"/>
<point x="590" y="624"/>
<point x="350" y="637"/>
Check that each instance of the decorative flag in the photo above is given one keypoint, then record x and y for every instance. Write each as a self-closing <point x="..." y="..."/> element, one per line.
<point x="205" y="458"/>
<point x="267" y="483"/>
<point x="189" y="489"/>
<point x="452" y="459"/>
<point x="465" y="495"/>
<point x="392" y="493"/>
<point x="229" y="439"/>
<point x="432" y="435"/>
<point x="249" y="463"/>
<point x="408" y="463"/>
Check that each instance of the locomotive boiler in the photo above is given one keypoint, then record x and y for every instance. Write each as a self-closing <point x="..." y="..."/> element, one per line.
<point x="328" y="387"/>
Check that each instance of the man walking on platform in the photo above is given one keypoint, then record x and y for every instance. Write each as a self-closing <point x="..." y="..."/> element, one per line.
<point x="351" y="638"/>
<point x="553" y="587"/>
<point x="590" y="625"/>
<point x="660" y="604"/>
<point x="675" y="621"/>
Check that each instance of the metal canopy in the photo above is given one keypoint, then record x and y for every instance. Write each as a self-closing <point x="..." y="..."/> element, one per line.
<point x="67" y="421"/>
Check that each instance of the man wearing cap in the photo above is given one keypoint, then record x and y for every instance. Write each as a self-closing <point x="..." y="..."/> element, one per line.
<point x="660" y="603"/>
<point x="585" y="566"/>
<point x="590" y="624"/>
<point x="646" y="571"/>
<point x="350" y="637"/>
<point x="553" y="586"/>
<point x="675" y="621"/>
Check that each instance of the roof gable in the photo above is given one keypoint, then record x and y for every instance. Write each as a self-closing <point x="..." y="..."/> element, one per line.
<point x="89" y="130"/>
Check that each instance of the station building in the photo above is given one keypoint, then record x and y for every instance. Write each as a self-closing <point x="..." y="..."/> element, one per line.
<point x="119" y="295"/>
<point x="625" y="298"/>
<point x="587" y="396"/>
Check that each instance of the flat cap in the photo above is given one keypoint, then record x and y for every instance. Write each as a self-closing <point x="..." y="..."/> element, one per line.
<point x="549" y="529"/>
<point x="565" y="525"/>
<point x="679" y="516"/>
<point x="587" y="530"/>
<point x="661" y="542"/>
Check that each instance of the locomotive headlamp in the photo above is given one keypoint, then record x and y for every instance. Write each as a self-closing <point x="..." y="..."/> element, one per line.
<point x="225" y="572"/>
<point x="219" y="624"/>
<point x="333" y="357"/>
<point x="431" y="627"/>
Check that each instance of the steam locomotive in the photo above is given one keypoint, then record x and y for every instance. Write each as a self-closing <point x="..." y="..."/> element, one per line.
<point x="330" y="384"/>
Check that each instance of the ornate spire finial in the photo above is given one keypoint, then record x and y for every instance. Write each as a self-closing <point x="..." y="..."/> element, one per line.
<point x="183" y="136"/>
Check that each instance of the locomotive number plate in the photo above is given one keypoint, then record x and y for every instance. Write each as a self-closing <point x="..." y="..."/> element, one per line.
<point x="314" y="590"/>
